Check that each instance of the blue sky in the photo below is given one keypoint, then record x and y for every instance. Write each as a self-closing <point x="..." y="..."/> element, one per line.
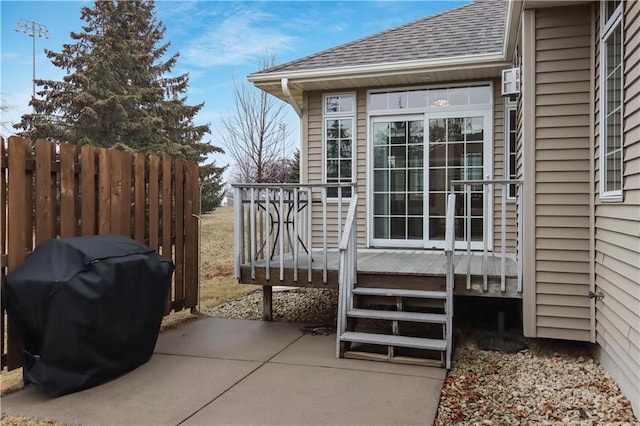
<point x="218" y="41"/>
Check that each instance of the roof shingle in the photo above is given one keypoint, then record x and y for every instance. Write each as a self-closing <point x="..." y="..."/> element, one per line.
<point x="471" y="29"/>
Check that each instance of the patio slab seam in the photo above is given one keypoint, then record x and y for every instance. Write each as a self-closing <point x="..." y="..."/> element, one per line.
<point x="262" y="364"/>
<point x="331" y="367"/>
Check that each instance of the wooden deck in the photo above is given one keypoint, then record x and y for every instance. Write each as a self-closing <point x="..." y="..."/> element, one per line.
<point x="418" y="269"/>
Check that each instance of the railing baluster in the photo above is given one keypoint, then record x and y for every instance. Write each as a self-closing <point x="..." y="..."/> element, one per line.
<point x="267" y="247"/>
<point x="295" y="234"/>
<point x="485" y="234"/>
<point x="324" y="234"/>
<point x="339" y="213"/>
<point x="252" y="231"/>
<point x="281" y="233"/>
<point x="503" y="241"/>
<point x="309" y="232"/>
<point x="467" y="210"/>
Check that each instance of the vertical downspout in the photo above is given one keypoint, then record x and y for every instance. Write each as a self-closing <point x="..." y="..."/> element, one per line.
<point x="592" y="192"/>
<point x="529" y="326"/>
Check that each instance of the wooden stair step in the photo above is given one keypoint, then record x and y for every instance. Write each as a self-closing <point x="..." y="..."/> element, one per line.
<point x="397" y="292"/>
<point x="394" y="340"/>
<point x="398" y="316"/>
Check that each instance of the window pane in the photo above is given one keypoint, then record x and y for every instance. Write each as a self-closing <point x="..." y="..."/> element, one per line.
<point x="474" y="128"/>
<point x="332" y="104"/>
<point x="378" y="101"/>
<point x="332" y="148"/>
<point x="332" y="169"/>
<point x="397" y="100"/>
<point x="454" y="129"/>
<point x="416" y="132"/>
<point x="414" y="228"/>
<point x="333" y="129"/>
<point x="436" y="228"/>
<point x="381" y="157"/>
<point x="612" y="149"/>
<point x="398" y="180"/>
<point x="437" y="203"/>
<point x="437" y="98"/>
<point x="480" y="95"/>
<point x="416" y="180"/>
<point x="381" y="202"/>
<point x="456" y="154"/>
<point x="398" y="132"/>
<point x="345" y="170"/>
<point x="458" y="96"/>
<point x="437" y="130"/>
<point x="346" y="103"/>
<point x="400" y="155"/>
<point x="381" y="227"/>
<point x="416" y="156"/>
<point x="437" y="181"/>
<point x="415" y="204"/>
<point x="381" y="180"/>
<point x="398" y="228"/>
<point x="345" y="148"/>
<point x="380" y="133"/>
<point x="418" y="99"/>
<point x="346" y="129"/>
<point x="398" y="204"/>
<point x="611" y="8"/>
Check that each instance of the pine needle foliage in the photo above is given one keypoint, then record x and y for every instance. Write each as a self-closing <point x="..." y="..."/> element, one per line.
<point x="119" y="90"/>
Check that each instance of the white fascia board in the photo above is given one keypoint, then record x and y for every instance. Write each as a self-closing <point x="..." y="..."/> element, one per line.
<point x="375" y="70"/>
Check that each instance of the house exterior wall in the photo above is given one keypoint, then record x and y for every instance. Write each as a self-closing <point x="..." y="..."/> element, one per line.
<point x="312" y="157"/>
<point x="556" y="170"/>
<point x="617" y="228"/>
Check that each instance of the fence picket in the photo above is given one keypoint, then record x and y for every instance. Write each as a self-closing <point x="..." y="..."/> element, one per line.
<point x="45" y="192"/>
<point x="154" y="201"/>
<point x="3" y="239"/>
<point x="140" y="194"/>
<point x="16" y="216"/>
<point x="88" y="204"/>
<point x="125" y="195"/>
<point x="104" y="191"/>
<point x="68" y="215"/>
<point x="179" y="242"/>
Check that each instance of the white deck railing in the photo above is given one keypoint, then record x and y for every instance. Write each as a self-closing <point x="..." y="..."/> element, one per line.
<point x="275" y="222"/>
<point x="464" y="188"/>
<point x="347" y="270"/>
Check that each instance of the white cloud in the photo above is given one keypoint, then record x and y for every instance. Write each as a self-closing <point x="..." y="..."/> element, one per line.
<point x="240" y="39"/>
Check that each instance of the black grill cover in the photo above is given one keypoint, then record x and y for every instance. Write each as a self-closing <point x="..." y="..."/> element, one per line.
<point x="87" y="309"/>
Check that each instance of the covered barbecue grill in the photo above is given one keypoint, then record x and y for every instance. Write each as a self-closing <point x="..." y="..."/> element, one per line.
<point x="87" y="309"/>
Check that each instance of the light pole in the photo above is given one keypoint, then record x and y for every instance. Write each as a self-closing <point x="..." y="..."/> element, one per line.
<point x="33" y="30"/>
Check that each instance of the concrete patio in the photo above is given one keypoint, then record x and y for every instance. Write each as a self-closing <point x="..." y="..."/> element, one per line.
<point x="232" y="372"/>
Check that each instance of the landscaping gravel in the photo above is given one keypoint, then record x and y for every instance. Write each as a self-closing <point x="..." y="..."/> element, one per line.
<point x="551" y="382"/>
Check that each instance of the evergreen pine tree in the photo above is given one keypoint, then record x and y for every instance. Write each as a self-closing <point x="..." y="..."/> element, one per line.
<point x="117" y="92"/>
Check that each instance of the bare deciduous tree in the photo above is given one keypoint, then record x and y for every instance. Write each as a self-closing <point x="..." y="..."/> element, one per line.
<point x="254" y="132"/>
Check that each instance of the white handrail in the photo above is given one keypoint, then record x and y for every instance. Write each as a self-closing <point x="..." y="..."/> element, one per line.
<point x="347" y="270"/>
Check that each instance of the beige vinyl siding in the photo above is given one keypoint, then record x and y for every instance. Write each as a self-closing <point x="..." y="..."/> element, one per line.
<point x="561" y="172"/>
<point x="315" y="157"/>
<point x="617" y="229"/>
<point x="499" y="170"/>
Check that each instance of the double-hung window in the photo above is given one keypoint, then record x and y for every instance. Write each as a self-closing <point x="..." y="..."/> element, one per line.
<point x="611" y="118"/>
<point x="510" y="146"/>
<point x="339" y="141"/>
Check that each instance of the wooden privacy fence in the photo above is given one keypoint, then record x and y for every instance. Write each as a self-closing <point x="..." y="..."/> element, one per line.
<point x="50" y="191"/>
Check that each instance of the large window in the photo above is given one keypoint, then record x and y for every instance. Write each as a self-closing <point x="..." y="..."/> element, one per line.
<point x="510" y="146"/>
<point x="611" y="94"/>
<point x="339" y="137"/>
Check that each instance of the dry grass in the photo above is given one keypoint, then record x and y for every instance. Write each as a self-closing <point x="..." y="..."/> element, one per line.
<point x="217" y="285"/>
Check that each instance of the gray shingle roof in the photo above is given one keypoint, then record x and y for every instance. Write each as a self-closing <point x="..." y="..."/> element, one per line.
<point x="474" y="28"/>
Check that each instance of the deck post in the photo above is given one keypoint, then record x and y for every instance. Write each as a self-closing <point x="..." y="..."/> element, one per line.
<point x="267" y="303"/>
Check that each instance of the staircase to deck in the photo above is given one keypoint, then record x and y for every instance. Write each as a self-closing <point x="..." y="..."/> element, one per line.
<point x="397" y="325"/>
<point x="393" y="323"/>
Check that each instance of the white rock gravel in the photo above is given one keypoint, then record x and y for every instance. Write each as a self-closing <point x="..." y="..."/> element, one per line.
<point x="549" y="383"/>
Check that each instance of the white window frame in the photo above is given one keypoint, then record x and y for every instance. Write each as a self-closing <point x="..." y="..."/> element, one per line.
<point x="339" y="115"/>
<point x="608" y="25"/>
<point x="509" y="105"/>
